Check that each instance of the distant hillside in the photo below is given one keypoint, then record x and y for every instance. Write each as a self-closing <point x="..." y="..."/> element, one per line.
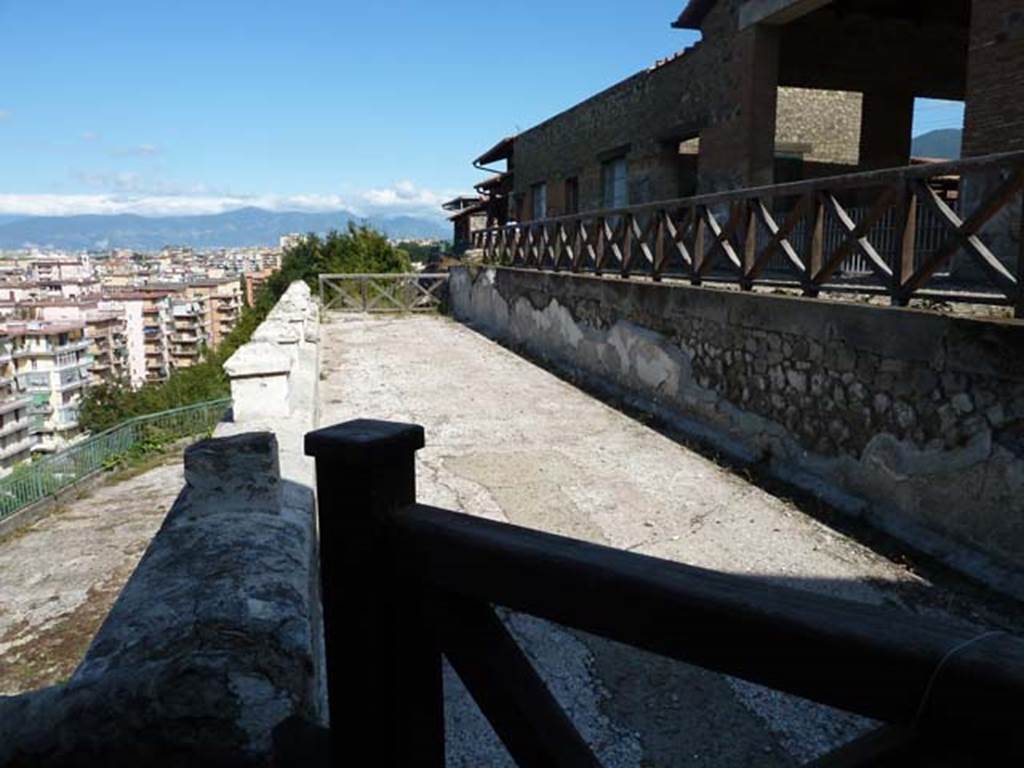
<point x="944" y="143"/>
<point x="244" y="227"/>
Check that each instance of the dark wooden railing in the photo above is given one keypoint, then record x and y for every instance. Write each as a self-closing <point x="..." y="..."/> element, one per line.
<point x="893" y="232"/>
<point x="404" y="584"/>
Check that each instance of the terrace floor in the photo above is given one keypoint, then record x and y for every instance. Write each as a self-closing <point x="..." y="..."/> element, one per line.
<point x="508" y="441"/>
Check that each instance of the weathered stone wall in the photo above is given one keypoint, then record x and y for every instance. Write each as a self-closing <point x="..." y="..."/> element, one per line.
<point x="827" y="121"/>
<point x="213" y="642"/>
<point x="217" y="637"/>
<point x="914" y="420"/>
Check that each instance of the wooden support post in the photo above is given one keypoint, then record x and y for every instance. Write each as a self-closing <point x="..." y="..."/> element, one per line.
<point x="905" y="267"/>
<point x="1018" y="309"/>
<point x="659" y="247"/>
<point x="816" y="257"/>
<point x="579" y="243"/>
<point x="749" y="246"/>
<point x="383" y="662"/>
<point x="627" y="244"/>
<point x="698" y="247"/>
<point x="557" y="247"/>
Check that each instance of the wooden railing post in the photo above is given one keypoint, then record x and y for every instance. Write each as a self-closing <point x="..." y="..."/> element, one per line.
<point x="906" y="253"/>
<point x="383" y="663"/>
<point x="1018" y="308"/>
<point x="749" y="245"/>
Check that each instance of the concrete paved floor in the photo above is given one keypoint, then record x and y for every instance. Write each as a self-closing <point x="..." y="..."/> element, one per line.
<point x="60" y="575"/>
<point x="508" y="441"/>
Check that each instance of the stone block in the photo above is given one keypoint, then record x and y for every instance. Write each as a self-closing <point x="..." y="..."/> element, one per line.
<point x="259" y="374"/>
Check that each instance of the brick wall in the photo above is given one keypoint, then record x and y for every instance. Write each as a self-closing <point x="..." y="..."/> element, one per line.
<point x="649" y="114"/>
<point x="994" y="121"/>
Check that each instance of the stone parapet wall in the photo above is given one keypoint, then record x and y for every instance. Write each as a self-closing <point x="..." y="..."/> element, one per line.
<point x="263" y="372"/>
<point x="913" y="420"/>
<point x="217" y="637"/>
<point x="213" y="642"/>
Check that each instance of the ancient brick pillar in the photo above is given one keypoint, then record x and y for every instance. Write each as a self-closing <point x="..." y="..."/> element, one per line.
<point x="994" y="120"/>
<point x="738" y="150"/>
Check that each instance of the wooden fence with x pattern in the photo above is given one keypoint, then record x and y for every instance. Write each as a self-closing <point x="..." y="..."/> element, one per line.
<point x="893" y="232"/>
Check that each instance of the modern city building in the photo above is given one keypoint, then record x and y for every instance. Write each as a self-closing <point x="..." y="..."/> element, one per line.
<point x="51" y="366"/>
<point x="223" y="304"/>
<point x="190" y="338"/>
<point x="16" y="439"/>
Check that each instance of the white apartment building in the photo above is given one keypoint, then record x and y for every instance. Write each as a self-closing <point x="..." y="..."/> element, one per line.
<point x="104" y="327"/>
<point x="51" y="365"/>
<point x="59" y="269"/>
<point x="190" y="338"/>
<point x="16" y="438"/>
<point x="131" y="307"/>
<point x="157" y="328"/>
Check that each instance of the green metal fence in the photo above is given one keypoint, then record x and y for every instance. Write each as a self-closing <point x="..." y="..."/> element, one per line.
<point x="29" y="483"/>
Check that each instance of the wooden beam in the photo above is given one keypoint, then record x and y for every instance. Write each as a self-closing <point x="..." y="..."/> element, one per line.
<point x="780" y="235"/>
<point x="777" y="12"/>
<point x="962" y="235"/>
<point x="512" y="696"/>
<point x="856" y="237"/>
<point x="872" y="660"/>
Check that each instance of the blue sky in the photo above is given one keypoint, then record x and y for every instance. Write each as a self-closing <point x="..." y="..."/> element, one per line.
<point x="155" y="106"/>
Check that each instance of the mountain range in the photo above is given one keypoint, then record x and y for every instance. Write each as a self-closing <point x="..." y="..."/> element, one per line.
<point x="944" y="143"/>
<point x="232" y="229"/>
<point x="256" y="226"/>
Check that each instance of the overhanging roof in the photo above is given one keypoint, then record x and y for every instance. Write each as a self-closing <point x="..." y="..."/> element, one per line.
<point x="500" y="151"/>
<point x="493" y="181"/>
<point x="460" y="202"/>
<point x="468" y="212"/>
<point x="693" y="14"/>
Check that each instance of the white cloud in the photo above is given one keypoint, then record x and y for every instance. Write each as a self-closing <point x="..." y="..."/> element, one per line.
<point x="140" y="150"/>
<point x="5" y="114"/>
<point x="132" y="194"/>
<point x="90" y="136"/>
<point x="404" y="194"/>
<point x="134" y="183"/>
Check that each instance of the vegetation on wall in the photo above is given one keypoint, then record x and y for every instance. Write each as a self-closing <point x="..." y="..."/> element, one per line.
<point x="358" y="249"/>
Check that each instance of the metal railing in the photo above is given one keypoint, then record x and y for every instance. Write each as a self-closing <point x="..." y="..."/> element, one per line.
<point x="893" y="232"/>
<point x="37" y="480"/>
<point x="383" y="292"/>
<point x="404" y="584"/>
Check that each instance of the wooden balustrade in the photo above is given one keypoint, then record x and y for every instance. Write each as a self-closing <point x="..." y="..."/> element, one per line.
<point x="383" y="292"/>
<point x="893" y="232"/>
<point x="404" y="584"/>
